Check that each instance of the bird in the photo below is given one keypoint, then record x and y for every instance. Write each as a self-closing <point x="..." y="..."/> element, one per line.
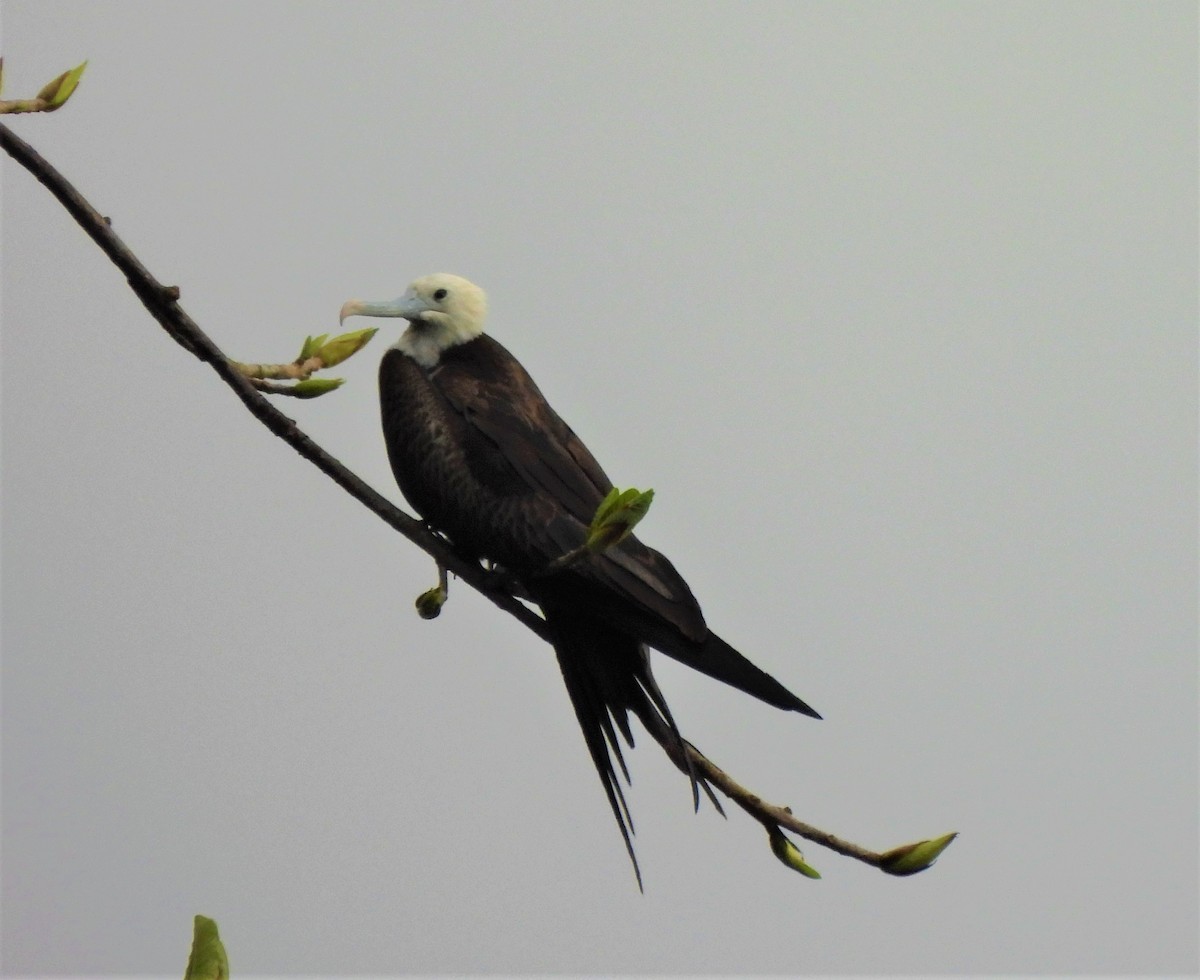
<point x="487" y="462"/>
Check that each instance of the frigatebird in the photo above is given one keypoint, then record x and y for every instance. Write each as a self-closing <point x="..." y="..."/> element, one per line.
<point x="483" y="458"/>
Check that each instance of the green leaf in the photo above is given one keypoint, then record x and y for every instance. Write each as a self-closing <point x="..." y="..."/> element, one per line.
<point x="310" y="346"/>
<point x="618" y="514"/>
<point x="316" y="387"/>
<point x="58" y="90"/>
<point x="344" y="346"/>
<point x="69" y="82"/>
<point x="908" y="859"/>
<point x="208" y="960"/>
<point x="789" y="853"/>
<point x="1" y="75"/>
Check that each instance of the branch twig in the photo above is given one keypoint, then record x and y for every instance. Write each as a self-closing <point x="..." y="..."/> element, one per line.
<point x="162" y="303"/>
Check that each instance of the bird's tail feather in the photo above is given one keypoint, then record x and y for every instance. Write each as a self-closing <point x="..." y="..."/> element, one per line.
<point x="718" y="659"/>
<point x="607" y="674"/>
<point x="698" y="648"/>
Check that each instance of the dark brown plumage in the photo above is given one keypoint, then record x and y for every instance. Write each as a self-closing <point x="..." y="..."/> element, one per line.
<point x="484" y="459"/>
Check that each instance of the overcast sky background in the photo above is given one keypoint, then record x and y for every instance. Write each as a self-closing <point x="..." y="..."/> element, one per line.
<point x="894" y="305"/>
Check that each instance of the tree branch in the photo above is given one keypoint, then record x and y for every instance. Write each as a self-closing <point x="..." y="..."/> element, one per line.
<point x="162" y="303"/>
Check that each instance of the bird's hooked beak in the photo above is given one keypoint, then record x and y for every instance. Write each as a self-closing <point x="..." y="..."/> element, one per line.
<point x="410" y="306"/>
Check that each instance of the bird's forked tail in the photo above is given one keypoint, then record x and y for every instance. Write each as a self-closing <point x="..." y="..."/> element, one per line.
<point x="607" y="674"/>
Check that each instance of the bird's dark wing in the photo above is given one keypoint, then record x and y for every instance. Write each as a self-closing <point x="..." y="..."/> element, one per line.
<point x="498" y="398"/>
<point x="546" y="487"/>
<point x="553" y="484"/>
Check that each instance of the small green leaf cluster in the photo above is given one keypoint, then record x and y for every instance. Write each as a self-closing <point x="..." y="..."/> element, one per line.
<point x="618" y="514"/>
<point x="331" y="352"/>
<point x="52" y="95"/>
<point x="345" y="345"/>
<point x="315" y="353"/>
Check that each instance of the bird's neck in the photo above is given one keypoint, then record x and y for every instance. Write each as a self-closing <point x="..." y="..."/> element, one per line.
<point x="425" y="341"/>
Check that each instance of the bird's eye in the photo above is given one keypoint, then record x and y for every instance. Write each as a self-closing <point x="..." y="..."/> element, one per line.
<point x="440" y="295"/>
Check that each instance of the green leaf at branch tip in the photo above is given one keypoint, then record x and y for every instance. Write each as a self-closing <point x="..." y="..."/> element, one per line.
<point x="58" y="90"/>
<point x="908" y="859"/>
<point x="1" y="75"/>
<point x="208" y="960"/>
<point x="344" y="346"/>
<point x="316" y="387"/>
<point x="69" y="84"/>
<point x="429" y="604"/>
<point x="618" y="514"/>
<point x="789" y="853"/>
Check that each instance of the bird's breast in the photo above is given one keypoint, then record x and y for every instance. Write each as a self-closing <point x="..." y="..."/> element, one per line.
<point x="429" y="448"/>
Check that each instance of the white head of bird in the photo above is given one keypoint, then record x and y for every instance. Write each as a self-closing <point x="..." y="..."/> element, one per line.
<point x="443" y="310"/>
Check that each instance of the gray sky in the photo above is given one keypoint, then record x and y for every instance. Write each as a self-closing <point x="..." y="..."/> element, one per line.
<point x="894" y="305"/>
